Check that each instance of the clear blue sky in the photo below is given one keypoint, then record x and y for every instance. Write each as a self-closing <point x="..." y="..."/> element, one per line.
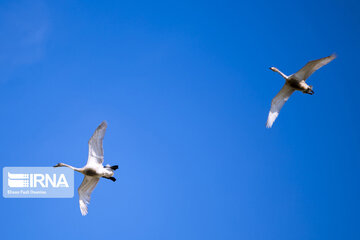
<point x="186" y="89"/>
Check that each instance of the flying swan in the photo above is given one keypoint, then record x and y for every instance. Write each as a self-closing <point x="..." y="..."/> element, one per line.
<point x="94" y="169"/>
<point x="294" y="82"/>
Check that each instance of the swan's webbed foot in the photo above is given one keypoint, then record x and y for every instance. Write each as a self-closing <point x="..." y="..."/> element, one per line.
<point x="114" y="167"/>
<point x="111" y="178"/>
<point x="309" y="91"/>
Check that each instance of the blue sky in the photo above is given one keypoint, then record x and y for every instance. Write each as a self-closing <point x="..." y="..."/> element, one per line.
<point x="186" y="89"/>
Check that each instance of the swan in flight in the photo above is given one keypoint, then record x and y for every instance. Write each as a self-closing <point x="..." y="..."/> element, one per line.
<point x="294" y="82"/>
<point x="94" y="169"/>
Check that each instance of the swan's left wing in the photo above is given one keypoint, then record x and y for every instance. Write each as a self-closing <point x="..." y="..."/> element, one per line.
<point x="312" y="66"/>
<point x="85" y="190"/>
<point x="96" y="151"/>
<point x="277" y="103"/>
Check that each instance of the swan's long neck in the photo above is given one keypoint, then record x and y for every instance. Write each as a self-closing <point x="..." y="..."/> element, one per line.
<point x="278" y="71"/>
<point x="73" y="168"/>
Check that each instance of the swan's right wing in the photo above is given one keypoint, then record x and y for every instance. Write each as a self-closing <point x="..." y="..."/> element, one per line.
<point x="312" y="66"/>
<point x="96" y="151"/>
<point x="277" y="103"/>
<point x="85" y="190"/>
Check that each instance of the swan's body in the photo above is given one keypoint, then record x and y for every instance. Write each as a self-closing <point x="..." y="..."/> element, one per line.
<point x="292" y="83"/>
<point x="94" y="169"/>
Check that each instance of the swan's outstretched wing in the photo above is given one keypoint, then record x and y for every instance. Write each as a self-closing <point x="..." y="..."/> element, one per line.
<point x="96" y="152"/>
<point x="312" y="66"/>
<point x="85" y="190"/>
<point x="277" y="103"/>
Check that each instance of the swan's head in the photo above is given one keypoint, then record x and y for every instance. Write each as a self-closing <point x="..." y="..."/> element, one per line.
<point x="59" y="165"/>
<point x="273" y="69"/>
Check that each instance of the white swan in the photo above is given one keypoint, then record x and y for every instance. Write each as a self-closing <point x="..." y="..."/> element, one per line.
<point x="294" y="82"/>
<point x="93" y="169"/>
